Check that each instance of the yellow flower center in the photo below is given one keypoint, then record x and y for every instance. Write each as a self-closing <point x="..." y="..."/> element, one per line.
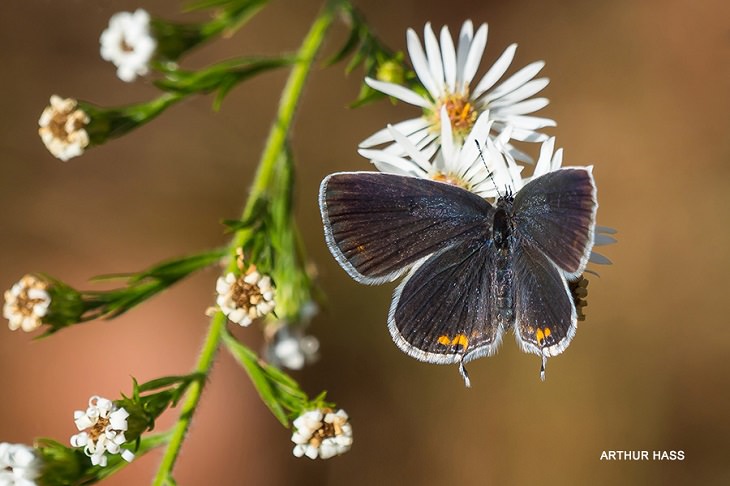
<point x="451" y="179"/>
<point x="461" y="113"/>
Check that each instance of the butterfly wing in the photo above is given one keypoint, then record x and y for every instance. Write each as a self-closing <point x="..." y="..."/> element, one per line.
<point x="545" y="315"/>
<point x="378" y="225"/>
<point x="556" y="213"/>
<point x="554" y="224"/>
<point x="442" y="312"/>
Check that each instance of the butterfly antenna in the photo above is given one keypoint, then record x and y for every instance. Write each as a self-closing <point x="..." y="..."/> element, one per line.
<point x="491" y="173"/>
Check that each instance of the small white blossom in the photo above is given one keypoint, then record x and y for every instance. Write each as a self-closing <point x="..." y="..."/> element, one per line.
<point x="246" y="297"/>
<point x="103" y="426"/>
<point x="291" y="348"/>
<point x="61" y="127"/>
<point x="20" y="465"/>
<point x="26" y="303"/>
<point x="446" y="74"/>
<point x="128" y="43"/>
<point x="321" y="433"/>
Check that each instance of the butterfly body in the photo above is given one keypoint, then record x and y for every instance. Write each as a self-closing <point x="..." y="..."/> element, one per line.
<point x="473" y="269"/>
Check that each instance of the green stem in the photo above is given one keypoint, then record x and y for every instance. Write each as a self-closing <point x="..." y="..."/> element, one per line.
<point x="275" y="144"/>
<point x="192" y="398"/>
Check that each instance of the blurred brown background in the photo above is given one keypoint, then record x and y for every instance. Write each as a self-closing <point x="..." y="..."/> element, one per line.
<point x="640" y="89"/>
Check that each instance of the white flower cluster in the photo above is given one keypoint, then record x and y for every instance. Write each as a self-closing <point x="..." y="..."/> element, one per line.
<point x="322" y="433"/>
<point x="293" y="349"/>
<point x="128" y="43"/>
<point x="26" y="303"/>
<point x="103" y="426"/>
<point x="20" y="465"/>
<point x="246" y="297"/>
<point x="61" y="127"/>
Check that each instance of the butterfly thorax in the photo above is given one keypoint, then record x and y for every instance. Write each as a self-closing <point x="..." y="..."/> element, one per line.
<point x="502" y="280"/>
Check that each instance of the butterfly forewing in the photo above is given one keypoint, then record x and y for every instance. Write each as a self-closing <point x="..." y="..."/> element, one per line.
<point x="378" y="225"/>
<point x="442" y="311"/>
<point x="557" y="213"/>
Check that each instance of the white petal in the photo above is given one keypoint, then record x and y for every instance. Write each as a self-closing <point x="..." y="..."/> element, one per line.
<point x="474" y="58"/>
<point x="525" y="122"/>
<point x="127" y="455"/>
<point x="599" y="259"/>
<point x="327" y="449"/>
<point x="84" y="422"/>
<point x="521" y="108"/>
<point x="400" y="92"/>
<point x="600" y="239"/>
<point x="447" y="142"/>
<point x="118" y="419"/>
<point x="522" y="93"/>
<point x="311" y="452"/>
<point x="462" y="51"/>
<point x="544" y="160"/>
<point x="516" y="80"/>
<point x="408" y="127"/>
<point x="496" y="71"/>
<point x="420" y="64"/>
<point x="79" y="440"/>
<point x="448" y="55"/>
<point x="410" y="149"/>
<point x="401" y="165"/>
<point x="433" y="52"/>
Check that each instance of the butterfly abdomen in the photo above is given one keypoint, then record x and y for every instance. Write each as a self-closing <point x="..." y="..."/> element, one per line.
<point x="502" y="279"/>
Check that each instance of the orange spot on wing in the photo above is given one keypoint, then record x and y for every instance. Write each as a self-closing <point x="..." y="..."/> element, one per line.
<point x="540" y="336"/>
<point x="458" y="340"/>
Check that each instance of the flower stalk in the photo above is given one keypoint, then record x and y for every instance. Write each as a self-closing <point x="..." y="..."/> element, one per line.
<point x="275" y="145"/>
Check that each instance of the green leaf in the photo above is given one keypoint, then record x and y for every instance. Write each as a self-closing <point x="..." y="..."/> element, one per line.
<point x="278" y="390"/>
<point x="220" y="77"/>
<point x="167" y="381"/>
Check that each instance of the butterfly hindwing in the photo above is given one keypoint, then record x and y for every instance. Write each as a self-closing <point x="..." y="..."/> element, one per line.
<point x="545" y="315"/>
<point x="378" y="225"/>
<point x="556" y="213"/>
<point x="442" y="312"/>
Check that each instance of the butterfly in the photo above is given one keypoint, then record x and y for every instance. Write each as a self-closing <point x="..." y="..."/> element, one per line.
<point x="472" y="269"/>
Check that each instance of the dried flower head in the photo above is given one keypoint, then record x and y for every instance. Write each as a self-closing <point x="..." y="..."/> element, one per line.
<point x="62" y="128"/>
<point x="19" y="465"/>
<point x="26" y="303"/>
<point x="128" y="43"/>
<point x="322" y="433"/>
<point x="103" y="426"/>
<point x="243" y="298"/>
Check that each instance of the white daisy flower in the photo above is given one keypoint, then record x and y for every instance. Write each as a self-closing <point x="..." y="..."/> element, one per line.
<point x="246" y="297"/>
<point x="321" y="433"/>
<point x="447" y="73"/>
<point x="103" y="426"/>
<point x="26" y="303"/>
<point x="128" y="43"/>
<point x="61" y="127"/>
<point x="485" y="174"/>
<point x="20" y="465"/>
